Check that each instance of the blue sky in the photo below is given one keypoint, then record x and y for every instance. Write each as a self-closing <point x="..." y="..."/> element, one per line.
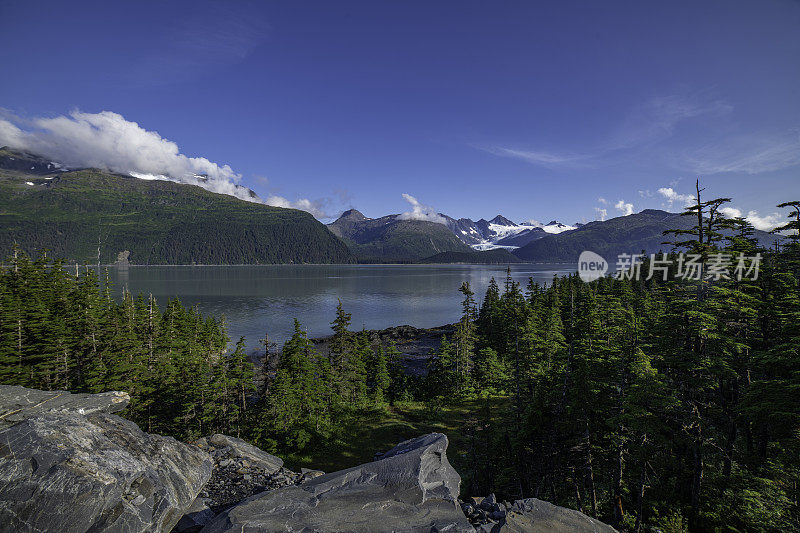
<point x="530" y="109"/>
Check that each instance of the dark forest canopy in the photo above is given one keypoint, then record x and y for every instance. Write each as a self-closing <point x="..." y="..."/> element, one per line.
<point x="642" y="402"/>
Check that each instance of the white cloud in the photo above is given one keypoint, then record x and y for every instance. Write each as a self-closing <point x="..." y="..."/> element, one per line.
<point x="108" y="141"/>
<point x="10" y="135"/>
<point x="315" y="207"/>
<point x="625" y="208"/>
<point x="730" y="212"/>
<point x="764" y="223"/>
<point x="602" y="214"/>
<point x="673" y="197"/>
<point x="602" y="201"/>
<point x="420" y="212"/>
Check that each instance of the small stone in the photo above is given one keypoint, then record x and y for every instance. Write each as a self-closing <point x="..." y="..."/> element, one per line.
<point x="497" y="515"/>
<point x="488" y="502"/>
<point x="307" y="474"/>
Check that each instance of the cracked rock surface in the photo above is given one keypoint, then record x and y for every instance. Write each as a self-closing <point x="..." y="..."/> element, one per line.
<point x="536" y="516"/>
<point x="18" y="403"/>
<point x="411" y="488"/>
<point x="68" y="472"/>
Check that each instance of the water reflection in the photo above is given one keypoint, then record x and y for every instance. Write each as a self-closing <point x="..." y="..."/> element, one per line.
<point x="265" y="299"/>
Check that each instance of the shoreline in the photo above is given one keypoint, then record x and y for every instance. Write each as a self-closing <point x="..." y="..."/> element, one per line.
<point x="416" y="345"/>
<point x="133" y="265"/>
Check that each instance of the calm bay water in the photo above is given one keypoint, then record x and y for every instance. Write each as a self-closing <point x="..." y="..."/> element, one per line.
<point x="265" y="299"/>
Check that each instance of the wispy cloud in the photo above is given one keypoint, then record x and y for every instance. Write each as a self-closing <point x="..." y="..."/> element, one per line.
<point x="657" y="118"/>
<point x="652" y="121"/>
<point x="213" y="34"/>
<point x="420" y="211"/>
<point x="537" y="157"/>
<point x="651" y="130"/>
<point x="750" y="154"/>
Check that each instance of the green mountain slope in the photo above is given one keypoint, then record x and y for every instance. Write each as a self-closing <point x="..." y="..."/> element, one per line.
<point x="621" y="235"/>
<point x="72" y="214"/>
<point x="392" y="239"/>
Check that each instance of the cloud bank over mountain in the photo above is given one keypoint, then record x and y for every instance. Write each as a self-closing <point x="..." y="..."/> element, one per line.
<point x="108" y="141"/>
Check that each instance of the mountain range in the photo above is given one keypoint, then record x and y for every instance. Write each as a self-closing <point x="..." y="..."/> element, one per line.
<point x="629" y="234"/>
<point x="500" y="232"/>
<point x="392" y="238"/>
<point x="90" y="215"/>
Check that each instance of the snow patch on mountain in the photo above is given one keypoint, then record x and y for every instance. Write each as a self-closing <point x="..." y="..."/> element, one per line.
<point x="553" y="226"/>
<point x="489" y="246"/>
<point x="501" y="232"/>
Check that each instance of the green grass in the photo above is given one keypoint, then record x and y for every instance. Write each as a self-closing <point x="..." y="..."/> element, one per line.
<point x="378" y="430"/>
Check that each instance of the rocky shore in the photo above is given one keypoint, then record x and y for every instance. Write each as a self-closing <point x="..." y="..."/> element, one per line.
<point x="68" y="464"/>
<point x="414" y="344"/>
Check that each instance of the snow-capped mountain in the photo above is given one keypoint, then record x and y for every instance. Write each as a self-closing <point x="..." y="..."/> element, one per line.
<point x="501" y="232"/>
<point x="554" y="226"/>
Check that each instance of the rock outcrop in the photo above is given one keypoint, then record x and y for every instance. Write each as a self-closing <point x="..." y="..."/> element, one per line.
<point x="537" y="516"/>
<point x="18" y="403"/>
<point x="412" y="488"/>
<point x="68" y="465"/>
<point x="225" y="446"/>
<point x="240" y="470"/>
<point x="61" y="470"/>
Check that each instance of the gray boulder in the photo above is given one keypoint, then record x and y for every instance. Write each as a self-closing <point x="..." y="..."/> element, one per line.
<point x="18" y="403"/>
<point x="412" y="488"/>
<point x="537" y="516"/>
<point x="68" y="472"/>
<point x="198" y="515"/>
<point x="242" y="450"/>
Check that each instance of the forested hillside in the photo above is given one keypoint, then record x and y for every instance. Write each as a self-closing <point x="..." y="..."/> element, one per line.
<point x="91" y="216"/>
<point x="391" y="239"/>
